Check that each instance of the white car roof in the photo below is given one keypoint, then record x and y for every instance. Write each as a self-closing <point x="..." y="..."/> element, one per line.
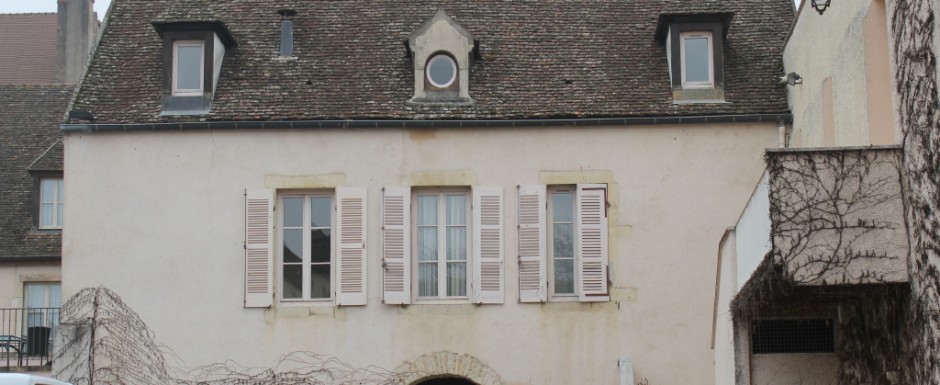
<point x="27" y="379"/>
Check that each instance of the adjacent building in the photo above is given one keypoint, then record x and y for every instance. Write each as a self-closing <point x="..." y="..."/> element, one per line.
<point x="43" y="56"/>
<point x="829" y="275"/>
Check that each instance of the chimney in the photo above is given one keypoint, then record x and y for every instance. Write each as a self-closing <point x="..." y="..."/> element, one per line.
<point x="287" y="33"/>
<point x="77" y="31"/>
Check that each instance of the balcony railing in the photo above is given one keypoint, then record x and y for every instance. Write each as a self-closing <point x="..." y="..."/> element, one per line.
<point x="26" y="337"/>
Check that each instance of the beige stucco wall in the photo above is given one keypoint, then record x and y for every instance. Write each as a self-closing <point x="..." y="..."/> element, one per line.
<point x="795" y="369"/>
<point x="842" y="56"/>
<point x="167" y="210"/>
<point x="14" y="275"/>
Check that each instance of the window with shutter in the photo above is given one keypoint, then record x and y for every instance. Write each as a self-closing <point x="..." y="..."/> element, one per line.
<point x="563" y="234"/>
<point x="258" y="250"/>
<point x="488" y="244"/>
<point x="396" y="245"/>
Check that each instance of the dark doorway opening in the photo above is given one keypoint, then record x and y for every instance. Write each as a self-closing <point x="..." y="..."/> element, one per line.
<point x="446" y="381"/>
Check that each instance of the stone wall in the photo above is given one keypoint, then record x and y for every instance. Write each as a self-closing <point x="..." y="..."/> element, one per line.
<point x="913" y="26"/>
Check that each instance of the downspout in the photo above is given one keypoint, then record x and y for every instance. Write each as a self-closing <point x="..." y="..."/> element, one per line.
<point x="782" y="135"/>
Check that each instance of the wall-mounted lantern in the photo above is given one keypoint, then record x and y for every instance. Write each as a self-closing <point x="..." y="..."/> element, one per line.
<point x="820" y="5"/>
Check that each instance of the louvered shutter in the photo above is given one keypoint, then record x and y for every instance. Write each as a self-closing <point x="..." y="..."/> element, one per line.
<point x="488" y="245"/>
<point x="351" y="236"/>
<point x="592" y="245"/>
<point x="259" y="290"/>
<point x="533" y="285"/>
<point x="396" y="245"/>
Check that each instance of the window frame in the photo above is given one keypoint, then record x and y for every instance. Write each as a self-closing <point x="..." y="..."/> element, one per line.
<point x="708" y="35"/>
<point x="48" y="318"/>
<point x="550" y="242"/>
<point x="306" y="259"/>
<point x="58" y="200"/>
<point x="455" y="78"/>
<point x="174" y="81"/>
<point x="442" y="260"/>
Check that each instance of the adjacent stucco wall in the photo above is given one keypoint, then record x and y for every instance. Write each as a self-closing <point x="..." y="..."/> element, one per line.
<point x="837" y="215"/>
<point x="794" y="369"/>
<point x="842" y="56"/>
<point x="167" y="235"/>
<point x="14" y="275"/>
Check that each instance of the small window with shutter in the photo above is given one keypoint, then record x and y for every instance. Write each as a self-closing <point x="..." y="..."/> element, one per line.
<point x="563" y="243"/>
<point x="320" y="246"/>
<point x="442" y="244"/>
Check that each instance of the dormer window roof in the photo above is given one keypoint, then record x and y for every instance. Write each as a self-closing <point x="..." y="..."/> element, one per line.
<point x="194" y="45"/>
<point x="442" y="53"/>
<point x="695" y="53"/>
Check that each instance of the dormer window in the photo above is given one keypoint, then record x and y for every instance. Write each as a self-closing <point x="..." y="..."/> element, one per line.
<point x="188" y="67"/>
<point x="695" y="54"/>
<point x="442" y="53"/>
<point x="192" y="61"/>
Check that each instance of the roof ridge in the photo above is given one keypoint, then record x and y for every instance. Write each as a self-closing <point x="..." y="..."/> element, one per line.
<point x="27" y="13"/>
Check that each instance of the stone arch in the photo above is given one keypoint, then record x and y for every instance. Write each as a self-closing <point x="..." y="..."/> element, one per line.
<point x="447" y="364"/>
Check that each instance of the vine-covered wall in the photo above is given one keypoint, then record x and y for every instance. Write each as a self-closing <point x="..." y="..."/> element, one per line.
<point x="913" y="25"/>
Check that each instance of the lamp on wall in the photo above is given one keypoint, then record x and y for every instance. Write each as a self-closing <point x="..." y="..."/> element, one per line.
<point x="820" y="5"/>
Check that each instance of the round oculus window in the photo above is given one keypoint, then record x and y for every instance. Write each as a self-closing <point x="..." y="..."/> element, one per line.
<point x="441" y="71"/>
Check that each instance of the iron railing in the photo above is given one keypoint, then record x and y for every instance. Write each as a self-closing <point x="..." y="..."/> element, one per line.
<point x="26" y="337"/>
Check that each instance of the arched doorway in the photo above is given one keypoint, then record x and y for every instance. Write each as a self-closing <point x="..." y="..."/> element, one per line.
<point x="446" y="381"/>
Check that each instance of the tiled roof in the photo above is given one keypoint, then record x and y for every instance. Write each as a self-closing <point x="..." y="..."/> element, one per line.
<point x="540" y="59"/>
<point x="29" y="119"/>
<point x="28" y="48"/>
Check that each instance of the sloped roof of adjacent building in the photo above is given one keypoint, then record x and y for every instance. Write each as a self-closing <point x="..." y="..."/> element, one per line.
<point x="28" y="48"/>
<point x="29" y="126"/>
<point x="545" y="59"/>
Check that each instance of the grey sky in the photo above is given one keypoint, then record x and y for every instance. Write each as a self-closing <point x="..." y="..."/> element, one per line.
<point x="25" y="6"/>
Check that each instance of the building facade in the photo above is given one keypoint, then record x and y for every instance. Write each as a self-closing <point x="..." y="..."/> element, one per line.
<point x="490" y="192"/>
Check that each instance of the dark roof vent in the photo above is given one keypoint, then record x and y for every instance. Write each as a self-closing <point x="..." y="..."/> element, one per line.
<point x="287" y="32"/>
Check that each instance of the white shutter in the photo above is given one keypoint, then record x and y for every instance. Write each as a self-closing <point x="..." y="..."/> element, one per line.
<point x="351" y="236"/>
<point x="592" y="241"/>
<point x="396" y="245"/>
<point x="533" y="284"/>
<point x="259" y="290"/>
<point x="488" y="245"/>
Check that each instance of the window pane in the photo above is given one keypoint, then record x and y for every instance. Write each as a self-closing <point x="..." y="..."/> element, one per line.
<point x="58" y="217"/>
<point x="563" y="240"/>
<point x="564" y="276"/>
<point x="456" y="209"/>
<point x="563" y="207"/>
<point x="427" y="243"/>
<point x="456" y="243"/>
<point x="456" y="279"/>
<point x="320" y="281"/>
<point x="48" y="189"/>
<point x="293" y="212"/>
<point x="320" y="246"/>
<point x="293" y="280"/>
<point x="427" y="210"/>
<point x="59" y="195"/>
<point x="427" y="279"/>
<point x="188" y="67"/>
<point x="320" y="211"/>
<point x="46" y="211"/>
<point x="696" y="59"/>
<point x="442" y="70"/>
<point x="293" y="245"/>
